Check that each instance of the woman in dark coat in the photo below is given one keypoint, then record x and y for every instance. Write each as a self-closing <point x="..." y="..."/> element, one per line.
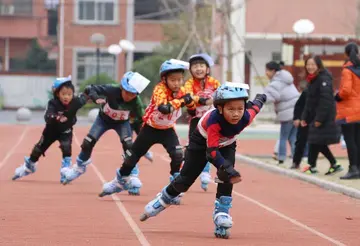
<point x="319" y="114"/>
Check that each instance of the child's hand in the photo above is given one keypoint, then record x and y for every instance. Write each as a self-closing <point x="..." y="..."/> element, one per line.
<point x="100" y="101"/>
<point x="317" y="123"/>
<point x="296" y="123"/>
<point x="228" y="174"/>
<point x="61" y="118"/>
<point x="303" y="123"/>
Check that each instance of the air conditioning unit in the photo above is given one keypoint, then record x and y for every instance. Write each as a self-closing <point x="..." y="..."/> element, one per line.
<point x="7" y="9"/>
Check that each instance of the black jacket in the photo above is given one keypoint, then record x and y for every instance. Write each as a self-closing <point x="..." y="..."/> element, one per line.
<point x="56" y="108"/>
<point x="320" y="106"/>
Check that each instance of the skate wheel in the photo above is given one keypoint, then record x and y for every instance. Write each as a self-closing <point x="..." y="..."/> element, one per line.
<point x="134" y="193"/>
<point x="102" y="194"/>
<point x="15" y="177"/>
<point x="144" y="217"/>
<point x="222" y="233"/>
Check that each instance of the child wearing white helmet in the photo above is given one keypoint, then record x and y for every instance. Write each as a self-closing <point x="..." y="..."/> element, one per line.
<point x="202" y="87"/>
<point x="160" y="117"/>
<point x="114" y="114"/>
<point x="213" y="140"/>
<point x="60" y="117"/>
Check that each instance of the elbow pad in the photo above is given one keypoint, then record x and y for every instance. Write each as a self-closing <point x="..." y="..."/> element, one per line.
<point x="165" y="108"/>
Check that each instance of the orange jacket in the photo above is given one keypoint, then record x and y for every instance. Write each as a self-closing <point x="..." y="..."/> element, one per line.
<point x="348" y="108"/>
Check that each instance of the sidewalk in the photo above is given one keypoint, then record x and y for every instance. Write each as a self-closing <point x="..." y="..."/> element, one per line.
<point x="323" y="166"/>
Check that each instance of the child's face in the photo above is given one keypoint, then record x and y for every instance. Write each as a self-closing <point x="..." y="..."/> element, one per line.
<point x="65" y="95"/>
<point x="175" y="81"/>
<point x="233" y="111"/>
<point x="127" y="96"/>
<point x="270" y="73"/>
<point x="199" y="70"/>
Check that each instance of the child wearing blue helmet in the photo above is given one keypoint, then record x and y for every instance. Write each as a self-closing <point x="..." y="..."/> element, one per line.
<point x="114" y="114"/>
<point x="60" y="117"/>
<point x="213" y="140"/>
<point x="160" y="117"/>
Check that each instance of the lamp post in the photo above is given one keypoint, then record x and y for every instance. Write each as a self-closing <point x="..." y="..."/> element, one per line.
<point x="127" y="46"/>
<point x="303" y="27"/>
<point x="97" y="39"/>
<point x="115" y="50"/>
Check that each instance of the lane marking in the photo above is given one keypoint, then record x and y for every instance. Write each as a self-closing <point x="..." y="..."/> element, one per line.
<point x="14" y="147"/>
<point x="136" y="229"/>
<point x="277" y="213"/>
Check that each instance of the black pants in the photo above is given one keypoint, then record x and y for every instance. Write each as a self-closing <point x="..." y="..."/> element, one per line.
<point x="193" y="124"/>
<point x="315" y="149"/>
<point x="351" y="134"/>
<point x="149" y="136"/>
<point x="195" y="161"/>
<point x="49" y="136"/>
<point x="136" y="127"/>
<point x="300" y="144"/>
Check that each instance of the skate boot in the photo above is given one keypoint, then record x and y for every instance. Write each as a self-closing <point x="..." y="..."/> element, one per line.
<point x="135" y="183"/>
<point x="66" y="163"/>
<point x="149" y="156"/>
<point x="75" y="171"/>
<point x="222" y="219"/>
<point x="176" y="200"/>
<point x="205" y="177"/>
<point x="25" y="169"/>
<point x="158" y="204"/>
<point x="118" y="184"/>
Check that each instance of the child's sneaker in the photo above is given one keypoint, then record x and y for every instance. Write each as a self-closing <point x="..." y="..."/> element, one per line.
<point x="334" y="169"/>
<point x="72" y="173"/>
<point x="25" y="169"/>
<point x="205" y="179"/>
<point x="310" y="170"/>
<point x="66" y="163"/>
<point x="158" y="204"/>
<point x="222" y="219"/>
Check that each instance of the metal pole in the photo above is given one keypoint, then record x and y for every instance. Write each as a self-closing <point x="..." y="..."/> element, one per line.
<point x="97" y="64"/>
<point x="61" y="38"/>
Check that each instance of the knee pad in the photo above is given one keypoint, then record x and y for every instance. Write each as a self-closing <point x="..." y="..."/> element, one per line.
<point x="66" y="148"/>
<point x="127" y="143"/>
<point x="181" y="183"/>
<point x="177" y="155"/>
<point x="37" y="151"/>
<point x="88" y="143"/>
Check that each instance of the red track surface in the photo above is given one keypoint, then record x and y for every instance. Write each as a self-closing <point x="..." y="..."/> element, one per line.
<point x="268" y="209"/>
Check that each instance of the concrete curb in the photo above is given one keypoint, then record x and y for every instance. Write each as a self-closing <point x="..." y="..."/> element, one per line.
<point x="303" y="177"/>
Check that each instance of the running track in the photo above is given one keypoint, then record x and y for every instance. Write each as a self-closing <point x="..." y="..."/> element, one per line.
<point x="268" y="209"/>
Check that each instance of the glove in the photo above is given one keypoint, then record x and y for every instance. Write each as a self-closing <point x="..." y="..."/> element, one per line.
<point x="191" y="112"/>
<point x="187" y="99"/>
<point x="202" y="100"/>
<point x="259" y="100"/>
<point x="226" y="172"/>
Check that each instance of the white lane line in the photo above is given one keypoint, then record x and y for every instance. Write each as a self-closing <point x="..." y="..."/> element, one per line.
<point x="277" y="213"/>
<point x="14" y="147"/>
<point x="140" y="236"/>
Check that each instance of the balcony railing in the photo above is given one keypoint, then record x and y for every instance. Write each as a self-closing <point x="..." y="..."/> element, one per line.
<point x="16" y="7"/>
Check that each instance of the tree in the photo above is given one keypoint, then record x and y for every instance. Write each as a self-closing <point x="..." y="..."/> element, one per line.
<point x="37" y="59"/>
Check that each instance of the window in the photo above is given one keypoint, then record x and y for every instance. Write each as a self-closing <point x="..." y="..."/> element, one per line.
<point x="16" y="7"/>
<point x="97" y="11"/>
<point x="141" y="55"/>
<point x="86" y="65"/>
<point x="276" y="56"/>
<point x="156" y="10"/>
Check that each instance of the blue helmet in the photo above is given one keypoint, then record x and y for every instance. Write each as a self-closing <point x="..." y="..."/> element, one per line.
<point x="60" y="81"/>
<point x="203" y="56"/>
<point x="125" y="82"/>
<point x="169" y="66"/>
<point x="230" y="91"/>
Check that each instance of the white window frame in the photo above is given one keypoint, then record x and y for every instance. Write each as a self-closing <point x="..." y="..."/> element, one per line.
<point x="77" y="50"/>
<point x="115" y="21"/>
